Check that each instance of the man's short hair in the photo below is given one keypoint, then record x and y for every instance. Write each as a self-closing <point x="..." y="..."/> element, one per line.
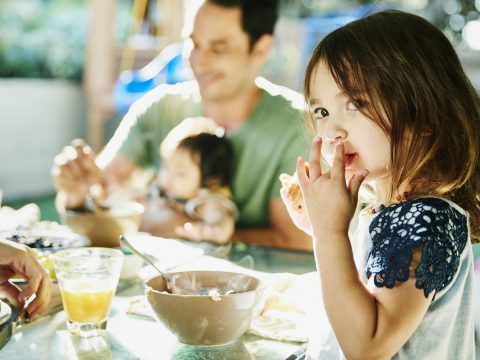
<point x="258" y="16"/>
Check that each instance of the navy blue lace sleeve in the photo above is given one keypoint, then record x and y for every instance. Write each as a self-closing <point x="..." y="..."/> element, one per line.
<point x="398" y="229"/>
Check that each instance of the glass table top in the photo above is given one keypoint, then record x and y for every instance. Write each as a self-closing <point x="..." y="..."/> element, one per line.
<point x="137" y="337"/>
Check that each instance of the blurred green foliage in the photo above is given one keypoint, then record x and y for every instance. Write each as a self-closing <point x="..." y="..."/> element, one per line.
<point x="42" y="39"/>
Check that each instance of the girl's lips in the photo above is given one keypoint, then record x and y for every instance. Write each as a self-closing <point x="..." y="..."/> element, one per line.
<point x="348" y="159"/>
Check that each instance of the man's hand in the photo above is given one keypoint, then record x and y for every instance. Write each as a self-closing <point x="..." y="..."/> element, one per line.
<point x="19" y="260"/>
<point x="74" y="171"/>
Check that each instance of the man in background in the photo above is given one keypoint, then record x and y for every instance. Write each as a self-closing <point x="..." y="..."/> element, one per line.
<point x="231" y="41"/>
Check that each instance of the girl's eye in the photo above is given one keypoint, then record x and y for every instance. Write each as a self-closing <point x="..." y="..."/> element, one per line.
<point x="354" y="105"/>
<point x="320" y="113"/>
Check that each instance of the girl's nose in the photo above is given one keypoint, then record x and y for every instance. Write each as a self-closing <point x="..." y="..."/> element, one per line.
<point x="334" y="133"/>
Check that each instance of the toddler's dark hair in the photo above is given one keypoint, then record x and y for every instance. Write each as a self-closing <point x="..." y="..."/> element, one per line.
<point x="214" y="155"/>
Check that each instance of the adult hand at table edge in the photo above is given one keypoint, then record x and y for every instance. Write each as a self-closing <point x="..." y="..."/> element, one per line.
<point x="281" y="234"/>
<point x="20" y="260"/>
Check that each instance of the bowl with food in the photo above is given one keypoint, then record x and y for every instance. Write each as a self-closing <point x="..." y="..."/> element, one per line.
<point x="104" y="226"/>
<point x="205" y="308"/>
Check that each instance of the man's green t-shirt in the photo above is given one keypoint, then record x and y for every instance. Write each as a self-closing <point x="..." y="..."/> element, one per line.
<point x="265" y="146"/>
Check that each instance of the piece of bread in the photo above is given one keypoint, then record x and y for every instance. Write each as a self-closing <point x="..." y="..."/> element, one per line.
<point x="295" y="193"/>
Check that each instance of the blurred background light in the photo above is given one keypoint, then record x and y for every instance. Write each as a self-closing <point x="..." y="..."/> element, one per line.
<point x="415" y="4"/>
<point x="473" y="15"/>
<point x="452" y="7"/>
<point x="471" y="34"/>
<point x="456" y="22"/>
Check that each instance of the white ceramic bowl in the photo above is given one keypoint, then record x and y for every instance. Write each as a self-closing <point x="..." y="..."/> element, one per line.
<point x="203" y="319"/>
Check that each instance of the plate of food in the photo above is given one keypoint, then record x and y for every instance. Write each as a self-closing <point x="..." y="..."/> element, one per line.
<point x="46" y="240"/>
<point x="45" y="243"/>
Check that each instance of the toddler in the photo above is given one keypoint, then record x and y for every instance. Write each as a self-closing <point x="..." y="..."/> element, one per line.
<point x="194" y="182"/>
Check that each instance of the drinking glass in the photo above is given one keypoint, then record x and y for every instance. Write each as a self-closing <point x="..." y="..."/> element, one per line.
<point x="88" y="278"/>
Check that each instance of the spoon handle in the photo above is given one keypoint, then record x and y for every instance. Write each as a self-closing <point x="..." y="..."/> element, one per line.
<point x="125" y="242"/>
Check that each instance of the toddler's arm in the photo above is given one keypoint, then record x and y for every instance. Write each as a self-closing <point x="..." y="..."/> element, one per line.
<point x="216" y="223"/>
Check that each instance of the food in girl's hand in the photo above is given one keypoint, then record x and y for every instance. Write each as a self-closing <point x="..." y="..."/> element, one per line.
<point x="295" y="193"/>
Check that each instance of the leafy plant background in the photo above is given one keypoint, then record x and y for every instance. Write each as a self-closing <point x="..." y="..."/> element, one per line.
<point x="42" y="39"/>
<point x="46" y="38"/>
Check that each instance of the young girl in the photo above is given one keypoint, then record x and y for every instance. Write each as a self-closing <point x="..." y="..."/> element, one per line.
<point x="194" y="185"/>
<point x="392" y="108"/>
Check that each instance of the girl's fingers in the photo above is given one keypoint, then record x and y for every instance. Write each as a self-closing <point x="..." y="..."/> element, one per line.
<point x="315" y="166"/>
<point x="356" y="181"/>
<point x="302" y="176"/>
<point x="338" y="166"/>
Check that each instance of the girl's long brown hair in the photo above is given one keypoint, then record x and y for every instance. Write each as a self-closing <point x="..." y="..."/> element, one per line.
<point x="410" y="80"/>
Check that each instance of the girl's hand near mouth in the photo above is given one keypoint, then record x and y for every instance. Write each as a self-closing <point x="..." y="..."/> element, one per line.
<point x="330" y="202"/>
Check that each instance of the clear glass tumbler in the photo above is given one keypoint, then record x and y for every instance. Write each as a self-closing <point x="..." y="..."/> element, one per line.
<point x="88" y="278"/>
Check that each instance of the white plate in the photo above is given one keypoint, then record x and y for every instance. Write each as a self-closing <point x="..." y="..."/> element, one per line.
<point x="52" y="240"/>
<point x="166" y="253"/>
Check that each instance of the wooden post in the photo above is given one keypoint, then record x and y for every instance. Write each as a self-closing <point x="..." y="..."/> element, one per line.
<point x="100" y="68"/>
<point x="174" y="10"/>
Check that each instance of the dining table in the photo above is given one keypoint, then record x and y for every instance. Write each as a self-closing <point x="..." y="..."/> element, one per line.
<point x="133" y="336"/>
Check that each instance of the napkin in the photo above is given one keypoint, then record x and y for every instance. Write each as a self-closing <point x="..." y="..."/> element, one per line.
<point x="284" y="314"/>
<point x="25" y="217"/>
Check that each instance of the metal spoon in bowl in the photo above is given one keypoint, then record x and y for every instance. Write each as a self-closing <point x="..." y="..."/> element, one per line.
<point x="175" y="288"/>
<point x="168" y="281"/>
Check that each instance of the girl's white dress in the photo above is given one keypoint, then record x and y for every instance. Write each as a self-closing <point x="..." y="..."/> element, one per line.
<point x="382" y="247"/>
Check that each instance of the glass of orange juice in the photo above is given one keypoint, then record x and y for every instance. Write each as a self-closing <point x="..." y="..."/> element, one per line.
<point x="88" y="278"/>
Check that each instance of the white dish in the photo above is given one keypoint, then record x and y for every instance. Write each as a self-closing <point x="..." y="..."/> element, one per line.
<point x="166" y="253"/>
<point x="131" y="265"/>
<point x="46" y="240"/>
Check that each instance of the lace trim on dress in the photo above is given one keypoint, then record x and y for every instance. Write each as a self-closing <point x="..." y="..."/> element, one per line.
<point x="398" y="229"/>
